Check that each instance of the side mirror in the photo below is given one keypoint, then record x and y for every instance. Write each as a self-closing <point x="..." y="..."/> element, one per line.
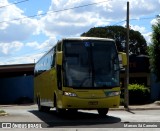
<point x="122" y="59"/>
<point x="59" y="58"/>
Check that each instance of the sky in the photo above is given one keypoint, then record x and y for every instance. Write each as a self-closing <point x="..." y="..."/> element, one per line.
<point x="29" y="28"/>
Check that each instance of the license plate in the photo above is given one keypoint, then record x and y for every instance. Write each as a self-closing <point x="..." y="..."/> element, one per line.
<point x="93" y="102"/>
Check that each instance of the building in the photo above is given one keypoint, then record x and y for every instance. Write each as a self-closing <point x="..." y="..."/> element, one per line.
<point x="139" y="71"/>
<point x="16" y="83"/>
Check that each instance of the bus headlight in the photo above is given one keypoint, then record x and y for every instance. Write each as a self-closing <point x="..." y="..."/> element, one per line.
<point x="113" y="93"/>
<point x="69" y="94"/>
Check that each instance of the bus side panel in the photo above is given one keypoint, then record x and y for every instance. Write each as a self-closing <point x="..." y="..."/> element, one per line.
<point x="44" y="86"/>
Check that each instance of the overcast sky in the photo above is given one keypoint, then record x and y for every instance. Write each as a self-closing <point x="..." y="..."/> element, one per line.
<point x="26" y="34"/>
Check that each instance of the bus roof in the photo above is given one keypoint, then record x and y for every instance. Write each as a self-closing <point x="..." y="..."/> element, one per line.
<point x="87" y="38"/>
<point x="77" y="38"/>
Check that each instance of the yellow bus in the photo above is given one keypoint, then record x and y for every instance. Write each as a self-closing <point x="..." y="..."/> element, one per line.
<point x="79" y="73"/>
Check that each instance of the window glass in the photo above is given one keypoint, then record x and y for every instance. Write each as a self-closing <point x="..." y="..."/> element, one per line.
<point x="91" y="64"/>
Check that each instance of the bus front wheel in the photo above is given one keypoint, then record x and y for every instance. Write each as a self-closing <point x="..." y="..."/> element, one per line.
<point x="103" y="111"/>
<point x="58" y="110"/>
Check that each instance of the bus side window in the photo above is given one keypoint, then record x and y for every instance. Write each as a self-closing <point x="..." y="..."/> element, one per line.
<point x="59" y="46"/>
<point x="54" y="56"/>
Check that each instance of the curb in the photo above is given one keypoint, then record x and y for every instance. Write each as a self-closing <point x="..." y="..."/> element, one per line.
<point x="111" y="109"/>
<point x="153" y="106"/>
<point x="136" y="108"/>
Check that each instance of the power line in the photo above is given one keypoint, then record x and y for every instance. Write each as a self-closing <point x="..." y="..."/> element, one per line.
<point x="147" y="18"/>
<point x="29" y="52"/>
<point x="142" y="18"/>
<point x="119" y="22"/>
<point x="22" y="57"/>
<point x="108" y="21"/>
<point x="56" y="11"/>
<point x="15" y="3"/>
<point x="61" y="10"/>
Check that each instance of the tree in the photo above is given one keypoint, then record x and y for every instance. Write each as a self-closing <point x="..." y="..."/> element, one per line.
<point x="137" y="43"/>
<point x="154" y="51"/>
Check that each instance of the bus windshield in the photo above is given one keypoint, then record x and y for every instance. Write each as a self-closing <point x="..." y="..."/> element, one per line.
<point x="90" y="64"/>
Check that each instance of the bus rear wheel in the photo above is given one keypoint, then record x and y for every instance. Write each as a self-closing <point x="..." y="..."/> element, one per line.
<point x="40" y="107"/>
<point x="39" y="104"/>
<point x="103" y="111"/>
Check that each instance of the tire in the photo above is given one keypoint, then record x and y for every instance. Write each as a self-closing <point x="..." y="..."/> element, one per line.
<point x="103" y="111"/>
<point x="45" y="108"/>
<point x="39" y="104"/>
<point x="72" y="111"/>
<point x="40" y="107"/>
<point x="58" y="110"/>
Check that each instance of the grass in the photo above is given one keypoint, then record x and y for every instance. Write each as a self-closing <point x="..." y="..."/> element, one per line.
<point x="2" y="112"/>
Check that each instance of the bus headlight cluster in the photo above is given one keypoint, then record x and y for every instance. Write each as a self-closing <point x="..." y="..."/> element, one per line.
<point x="113" y="93"/>
<point x="69" y="94"/>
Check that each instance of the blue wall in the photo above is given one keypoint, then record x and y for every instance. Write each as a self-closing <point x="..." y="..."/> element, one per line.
<point x="12" y="89"/>
<point x="155" y="88"/>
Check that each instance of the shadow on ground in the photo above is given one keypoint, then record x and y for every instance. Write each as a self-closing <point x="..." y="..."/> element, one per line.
<point x="69" y="119"/>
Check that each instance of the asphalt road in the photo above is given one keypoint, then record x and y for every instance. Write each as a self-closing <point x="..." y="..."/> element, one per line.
<point x="82" y="119"/>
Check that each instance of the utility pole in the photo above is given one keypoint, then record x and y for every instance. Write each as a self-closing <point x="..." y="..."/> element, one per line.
<point x="126" y="94"/>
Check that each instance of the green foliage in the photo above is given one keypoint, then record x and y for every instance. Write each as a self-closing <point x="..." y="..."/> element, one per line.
<point x="137" y="43"/>
<point x="138" y="94"/>
<point x="154" y="51"/>
<point x="138" y="87"/>
<point x="2" y="111"/>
